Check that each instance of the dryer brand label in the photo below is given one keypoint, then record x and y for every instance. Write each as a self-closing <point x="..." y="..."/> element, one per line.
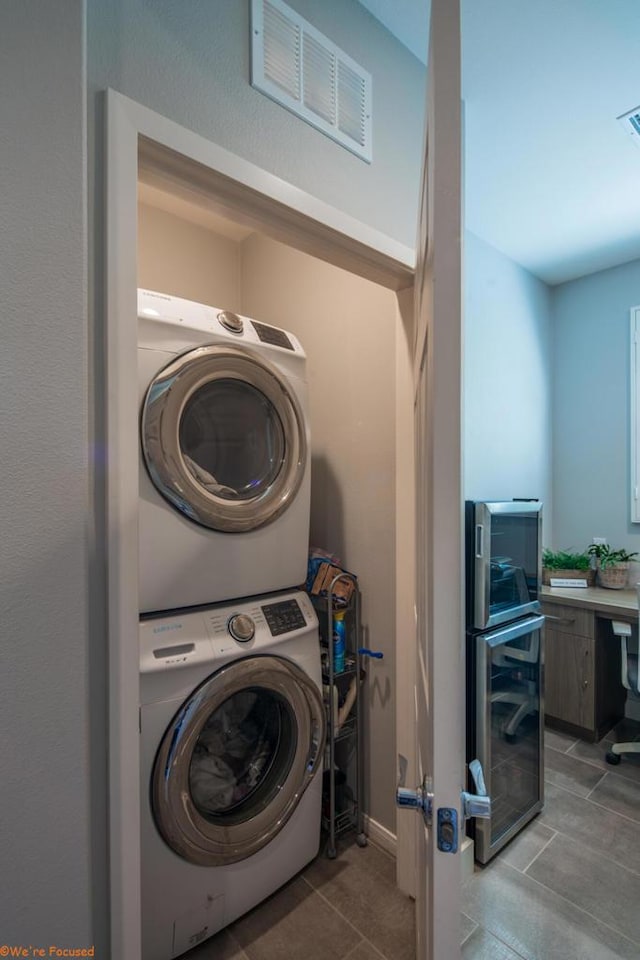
<point x="165" y="627"/>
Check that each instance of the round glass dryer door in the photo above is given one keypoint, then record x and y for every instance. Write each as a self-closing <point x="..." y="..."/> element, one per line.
<point x="236" y="760"/>
<point x="223" y="438"/>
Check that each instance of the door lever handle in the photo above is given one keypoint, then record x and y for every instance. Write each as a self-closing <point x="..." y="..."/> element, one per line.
<point x="419" y="799"/>
<point x="476" y="804"/>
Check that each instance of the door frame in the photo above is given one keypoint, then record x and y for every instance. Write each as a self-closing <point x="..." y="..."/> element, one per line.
<point x="143" y="144"/>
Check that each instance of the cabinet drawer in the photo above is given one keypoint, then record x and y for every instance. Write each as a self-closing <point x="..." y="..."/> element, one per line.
<point x="573" y="620"/>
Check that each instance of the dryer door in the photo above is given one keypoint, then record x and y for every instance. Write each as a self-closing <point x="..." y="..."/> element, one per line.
<point x="223" y="437"/>
<point x="236" y="760"/>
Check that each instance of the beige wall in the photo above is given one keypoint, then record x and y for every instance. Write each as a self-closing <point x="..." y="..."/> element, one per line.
<point x="348" y="329"/>
<point x="186" y="260"/>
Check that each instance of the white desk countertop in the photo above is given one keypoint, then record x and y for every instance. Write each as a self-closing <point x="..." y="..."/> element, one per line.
<point x="611" y="603"/>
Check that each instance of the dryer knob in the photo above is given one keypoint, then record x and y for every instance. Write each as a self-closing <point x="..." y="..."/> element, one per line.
<point x="231" y="321"/>
<point x="242" y="627"/>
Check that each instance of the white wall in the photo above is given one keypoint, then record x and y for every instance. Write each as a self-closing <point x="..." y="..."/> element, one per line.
<point x="186" y="260"/>
<point x="591" y="452"/>
<point x="190" y="62"/>
<point x="507" y="380"/>
<point x="348" y="328"/>
<point x="52" y="691"/>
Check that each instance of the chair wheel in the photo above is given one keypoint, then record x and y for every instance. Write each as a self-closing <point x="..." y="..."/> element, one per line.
<point x="612" y="758"/>
<point x="511" y="737"/>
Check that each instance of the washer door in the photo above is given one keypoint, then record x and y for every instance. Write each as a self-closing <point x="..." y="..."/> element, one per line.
<point x="236" y="760"/>
<point x="223" y="438"/>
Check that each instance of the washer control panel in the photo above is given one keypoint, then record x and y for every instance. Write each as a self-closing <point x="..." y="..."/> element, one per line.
<point x="241" y="627"/>
<point x="283" y="617"/>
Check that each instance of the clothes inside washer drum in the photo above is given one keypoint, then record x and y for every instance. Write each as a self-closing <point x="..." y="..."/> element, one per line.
<point x="235" y="748"/>
<point x="208" y="481"/>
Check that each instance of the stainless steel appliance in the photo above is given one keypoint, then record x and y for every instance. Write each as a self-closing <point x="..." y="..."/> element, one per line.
<point x="505" y="665"/>
<point x="504" y="561"/>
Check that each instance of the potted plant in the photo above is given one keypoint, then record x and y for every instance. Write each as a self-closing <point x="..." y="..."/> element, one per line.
<point x="567" y="565"/>
<point x="612" y="565"/>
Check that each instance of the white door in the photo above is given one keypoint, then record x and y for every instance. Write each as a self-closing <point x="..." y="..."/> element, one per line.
<point x="440" y="668"/>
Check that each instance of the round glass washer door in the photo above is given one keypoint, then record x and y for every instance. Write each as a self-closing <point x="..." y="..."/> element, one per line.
<point x="223" y="438"/>
<point x="236" y="760"/>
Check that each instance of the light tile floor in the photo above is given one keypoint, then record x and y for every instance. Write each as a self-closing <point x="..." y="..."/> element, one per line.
<point x="567" y="888"/>
<point x="343" y="909"/>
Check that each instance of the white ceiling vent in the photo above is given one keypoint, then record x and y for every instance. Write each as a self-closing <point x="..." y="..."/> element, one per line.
<point x="298" y="67"/>
<point x="631" y="124"/>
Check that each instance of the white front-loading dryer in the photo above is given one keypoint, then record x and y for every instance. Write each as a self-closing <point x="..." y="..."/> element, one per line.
<point x="232" y="731"/>
<point x="224" y="498"/>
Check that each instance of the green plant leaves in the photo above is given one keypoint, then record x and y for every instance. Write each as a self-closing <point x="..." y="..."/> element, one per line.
<point x="607" y="557"/>
<point x="565" y="560"/>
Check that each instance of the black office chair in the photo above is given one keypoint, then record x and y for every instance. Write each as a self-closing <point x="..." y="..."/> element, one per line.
<point x="631" y="680"/>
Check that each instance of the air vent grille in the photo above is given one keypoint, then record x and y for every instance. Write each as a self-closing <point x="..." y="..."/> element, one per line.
<point x="319" y="79"/>
<point x="352" y="97"/>
<point x="298" y="67"/>
<point x="631" y="124"/>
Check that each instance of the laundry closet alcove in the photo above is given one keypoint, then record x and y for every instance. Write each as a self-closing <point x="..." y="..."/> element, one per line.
<point x="296" y="263"/>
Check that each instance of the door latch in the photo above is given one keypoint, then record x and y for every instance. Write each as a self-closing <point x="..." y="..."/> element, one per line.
<point x="419" y="799"/>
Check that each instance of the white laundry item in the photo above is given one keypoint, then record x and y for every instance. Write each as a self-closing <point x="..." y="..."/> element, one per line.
<point x="207" y="480"/>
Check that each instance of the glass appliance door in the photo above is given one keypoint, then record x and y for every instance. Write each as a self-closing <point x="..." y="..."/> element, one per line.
<point x="224" y="438"/>
<point x="236" y="760"/>
<point x="509" y="729"/>
<point x="508" y="561"/>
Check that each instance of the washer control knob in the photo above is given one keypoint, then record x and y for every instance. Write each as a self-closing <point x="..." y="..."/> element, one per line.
<point x="242" y="627"/>
<point x="231" y="321"/>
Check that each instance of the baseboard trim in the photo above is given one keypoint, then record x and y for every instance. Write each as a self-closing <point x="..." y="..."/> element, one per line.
<point x="380" y="835"/>
<point x="466" y="858"/>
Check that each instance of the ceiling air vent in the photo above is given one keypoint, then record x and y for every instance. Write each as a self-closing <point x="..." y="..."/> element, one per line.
<point x="298" y="67"/>
<point x="631" y="124"/>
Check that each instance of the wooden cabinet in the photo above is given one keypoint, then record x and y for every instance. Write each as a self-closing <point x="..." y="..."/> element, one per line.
<point x="569" y="678"/>
<point x="583" y="694"/>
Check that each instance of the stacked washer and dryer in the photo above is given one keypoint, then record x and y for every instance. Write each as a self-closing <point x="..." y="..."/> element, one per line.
<point x="231" y="715"/>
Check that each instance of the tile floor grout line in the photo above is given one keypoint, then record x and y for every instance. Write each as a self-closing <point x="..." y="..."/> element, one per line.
<point x="590" y="760"/>
<point x="509" y="947"/>
<point x="604" y="856"/>
<point x="595" y="803"/>
<point x="542" y="849"/>
<point x="341" y="915"/>
<point x="596" y="763"/>
<point x="624" y="816"/>
<point x="572" y="744"/>
<point x="603" y="923"/>
<point x="359" y="944"/>
<point x="600" y="781"/>
<point x="245" y="955"/>
<point x="471" y="932"/>
<point x="573" y="793"/>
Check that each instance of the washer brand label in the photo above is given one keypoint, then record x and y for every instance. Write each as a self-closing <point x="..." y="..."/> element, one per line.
<point x="165" y="627"/>
<point x="157" y="296"/>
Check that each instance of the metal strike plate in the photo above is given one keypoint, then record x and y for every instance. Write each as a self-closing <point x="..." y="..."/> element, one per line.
<point x="447" y="830"/>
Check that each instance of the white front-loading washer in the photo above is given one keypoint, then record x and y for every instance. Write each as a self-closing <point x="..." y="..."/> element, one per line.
<point x="232" y="730"/>
<point x="224" y="500"/>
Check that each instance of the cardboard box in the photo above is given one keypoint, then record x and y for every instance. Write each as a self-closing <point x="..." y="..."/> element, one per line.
<point x="342" y="590"/>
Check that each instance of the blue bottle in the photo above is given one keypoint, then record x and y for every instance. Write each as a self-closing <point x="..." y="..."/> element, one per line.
<point x="339" y="641"/>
